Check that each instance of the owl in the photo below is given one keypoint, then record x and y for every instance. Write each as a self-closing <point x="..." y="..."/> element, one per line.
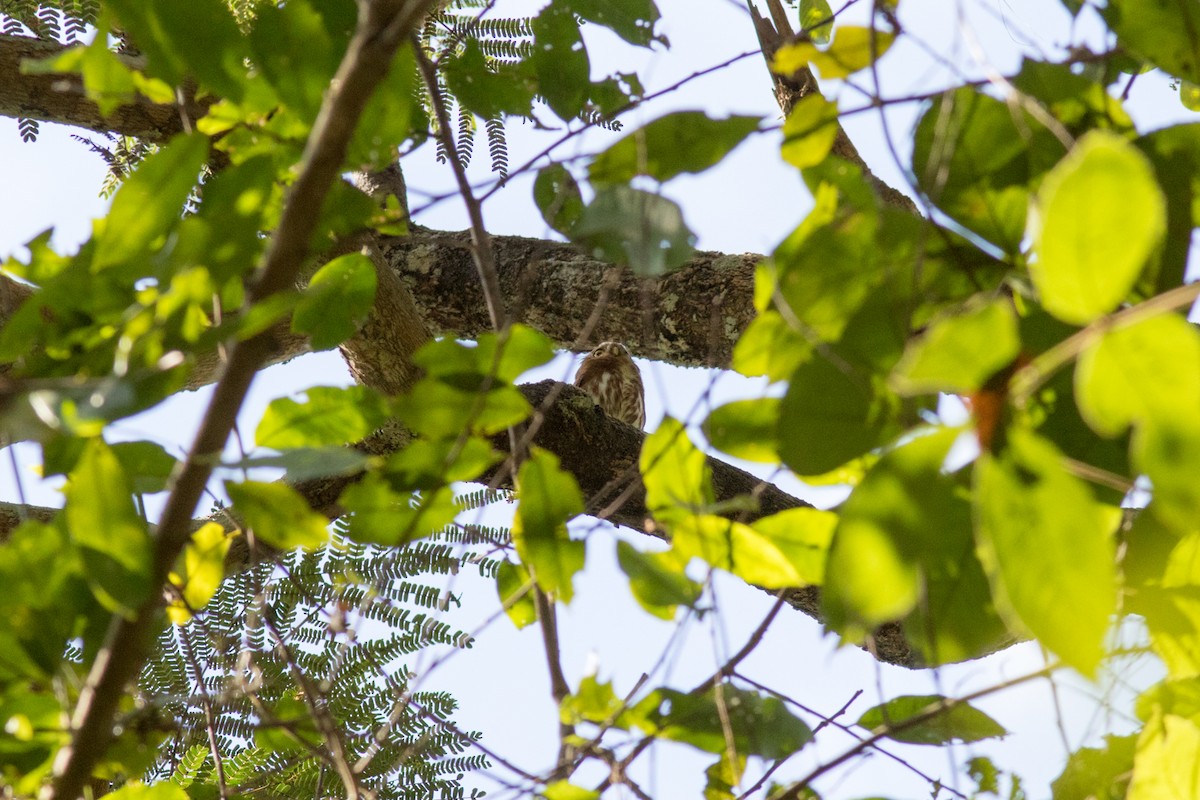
<point x="609" y="375"/>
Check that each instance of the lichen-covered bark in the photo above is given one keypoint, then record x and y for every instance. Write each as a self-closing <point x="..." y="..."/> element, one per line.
<point x="691" y="317"/>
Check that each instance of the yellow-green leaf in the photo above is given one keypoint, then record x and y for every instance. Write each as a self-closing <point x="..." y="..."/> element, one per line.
<point x="1138" y="374"/>
<point x="203" y="569"/>
<point x="809" y="131"/>
<point x="677" y="477"/>
<point x="959" y="352"/>
<point x="1043" y="538"/>
<point x="1101" y="214"/>
<point x="853" y="48"/>
<point x="547" y="498"/>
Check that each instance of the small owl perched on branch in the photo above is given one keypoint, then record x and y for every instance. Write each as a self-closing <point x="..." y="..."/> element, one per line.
<point x="609" y="375"/>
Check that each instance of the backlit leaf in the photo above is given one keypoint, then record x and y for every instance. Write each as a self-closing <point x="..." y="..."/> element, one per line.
<point x="328" y="416"/>
<point x="676" y="474"/>
<point x="809" y="131"/>
<point x="558" y="198"/>
<point x="277" y="514"/>
<point x="103" y="521"/>
<point x="657" y="580"/>
<point x="380" y="514"/>
<point x="560" y="59"/>
<point x="510" y="579"/>
<point x="632" y="20"/>
<point x="1139" y="374"/>
<point x="1043" y="537"/>
<point x="958" y="353"/>
<point x="745" y="429"/>
<point x="1163" y="32"/>
<point x="1100" y="216"/>
<point x="201" y="572"/>
<point x="149" y="203"/>
<point x="338" y="298"/>
<point x="816" y="19"/>
<point x="852" y="49"/>
<point x="547" y="499"/>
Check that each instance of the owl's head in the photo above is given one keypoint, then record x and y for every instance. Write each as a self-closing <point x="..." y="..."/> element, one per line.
<point x="609" y="350"/>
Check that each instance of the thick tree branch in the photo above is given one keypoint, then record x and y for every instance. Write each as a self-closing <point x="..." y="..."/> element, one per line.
<point x="61" y="98"/>
<point x="691" y="317"/>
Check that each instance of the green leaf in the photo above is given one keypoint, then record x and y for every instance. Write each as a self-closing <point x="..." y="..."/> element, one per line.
<point x="503" y="357"/>
<point x="746" y="429"/>
<point x="632" y="20"/>
<point x="853" y="48"/>
<point x="657" y="580"/>
<point x="770" y="347"/>
<point x="148" y="466"/>
<point x="510" y="579"/>
<point x="148" y="205"/>
<point x="329" y="416"/>
<point x="809" y="131"/>
<point x="646" y="231"/>
<point x="426" y="464"/>
<point x="41" y="574"/>
<point x="975" y="157"/>
<point x="803" y="535"/>
<point x="280" y="34"/>
<point x="200" y="572"/>
<point x="136" y="790"/>
<point x="336" y="303"/>
<point x="1042" y="537"/>
<point x="1097" y="773"/>
<point x="558" y="198"/>
<point x="103" y="521"/>
<point x="677" y="476"/>
<point x="1101" y="216"/>
<point x="438" y="410"/>
<point x="903" y="549"/>
<point x="816" y="19"/>
<point x="1168" y="452"/>
<point x="1167" y="760"/>
<point x="959" y="352"/>
<point x="1139" y="374"/>
<point x="758" y="724"/>
<point x="593" y="702"/>
<point x="392" y="116"/>
<point x="108" y="82"/>
<point x="1162" y="32"/>
<point x="277" y="514"/>
<point x="959" y="722"/>
<point x="560" y="59"/>
<point x="838" y="405"/>
<point x="548" y="498"/>
<point x="825" y="270"/>
<point x="381" y="515"/>
<point x="684" y="141"/>
<point x="488" y="89"/>
<point x="565" y="790"/>
<point x="197" y="38"/>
